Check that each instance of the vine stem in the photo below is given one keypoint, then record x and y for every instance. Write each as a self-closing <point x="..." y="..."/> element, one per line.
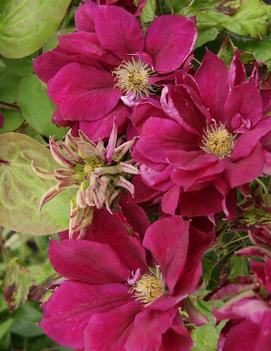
<point x="158" y="7"/>
<point x="8" y="106"/>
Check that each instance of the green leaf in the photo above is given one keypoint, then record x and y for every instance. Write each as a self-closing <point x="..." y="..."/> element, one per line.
<point x="251" y="19"/>
<point x="19" y="67"/>
<point x="205" y="338"/>
<point x="5" y="327"/>
<point x="12" y="121"/>
<point x="17" y="283"/>
<point x="25" y="26"/>
<point x="148" y="12"/>
<point x="8" y="86"/>
<point x="25" y="321"/>
<point x="238" y="266"/>
<point x="246" y="18"/>
<point x="261" y="49"/>
<point x="37" y="108"/>
<point x="227" y="50"/>
<point x="21" y="189"/>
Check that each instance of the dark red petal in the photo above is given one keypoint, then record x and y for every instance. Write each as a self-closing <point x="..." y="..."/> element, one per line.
<point x="168" y="240"/>
<point x="86" y="261"/>
<point x="118" y="31"/>
<point x="69" y="309"/>
<point x="84" y="92"/>
<point x="213" y="80"/>
<point x="169" y="40"/>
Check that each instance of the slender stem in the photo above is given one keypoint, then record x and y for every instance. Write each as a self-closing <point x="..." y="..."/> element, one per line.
<point x="158" y="7"/>
<point x="9" y="106"/>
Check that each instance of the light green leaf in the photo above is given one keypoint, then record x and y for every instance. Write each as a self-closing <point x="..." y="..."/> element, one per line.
<point x="205" y="338"/>
<point x="148" y="12"/>
<point x="261" y="49"/>
<point x="17" y="283"/>
<point x="21" y="189"/>
<point x="25" y="26"/>
<point x="36" y="106"/>
<point x="12" y="121"/>
<point x="246" y="18"/>
<point x="251" y="19"/>
<point x="238" y="266"/>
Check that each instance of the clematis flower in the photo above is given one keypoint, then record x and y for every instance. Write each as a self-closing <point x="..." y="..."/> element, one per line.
<point x="97" y="172"/>
<point x="204" y="139"/>
<point x="108" y="61"/>
<point x="121" y="295"/>
<point x="249" y="317"/>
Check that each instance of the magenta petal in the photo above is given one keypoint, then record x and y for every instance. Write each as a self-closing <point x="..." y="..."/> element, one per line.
<point x="168" y="240"/>
<point x="213" y="91"/>
<point x="146" y="109"/>
<point x="159" y="135"/>
<point x="149" y="326"/>
<point x="237" y="70"/>
<point x="246" y="142"/>
<point x="110" y="330"/>
<point x="134" y="215"/>
<point x="245" y="100"/>
<point x="101" y="128"/>
<point x="188" y="282"/>
<point x="86" y="261"/>
<point x="85" y="17"/>
<point x="170" y="39"/>
<point x="68" y="311"/>
<point x="49" y="63"/>
<point x="187" y="179"/>
<point x="242" y="337"/>
<point x="118" y="31"/>
<point x="170" y="200"/>
<point x="84" y="92"/>
<point x="246" y="169"/>
<point x="203" y="202"/>
<point x="177" y="338"/>
<point x="109" y="229"/>
<point x="266" y="97"/>
<point x="191" y="160"/>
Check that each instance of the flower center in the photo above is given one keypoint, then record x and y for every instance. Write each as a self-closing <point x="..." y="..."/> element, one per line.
<point x="91" y="165"/>
<point x="148" y="288"/>
<point x="133" y="77"/>
<point x="218" y="141"/>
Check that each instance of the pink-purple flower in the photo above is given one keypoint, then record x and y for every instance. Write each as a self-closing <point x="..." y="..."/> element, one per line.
<point x="204" y="138"/>
<point x="118" y="294"/>
<point x="109" y="60"/>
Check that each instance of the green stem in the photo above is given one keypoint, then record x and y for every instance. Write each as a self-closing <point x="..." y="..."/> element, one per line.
<point x="158" y="7"/>
<point x="8" y="106"/>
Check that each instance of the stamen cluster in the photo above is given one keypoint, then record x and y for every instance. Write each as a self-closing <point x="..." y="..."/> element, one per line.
<point x="133" y="78"/>
<point x="97" y="172"/>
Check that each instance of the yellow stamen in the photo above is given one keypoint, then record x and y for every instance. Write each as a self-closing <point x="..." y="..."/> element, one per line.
<point x="91" y="165"/>
<point x="133" y="77"/>
<point x="149" y="288"/>
<point x="218" y="141"/>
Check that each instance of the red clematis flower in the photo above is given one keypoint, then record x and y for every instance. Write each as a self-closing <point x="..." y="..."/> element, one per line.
<point x="119" y="295"/>
<point x="204" y="139"/>
<point x="108" y="61"/>
<point x="249" y="317"/>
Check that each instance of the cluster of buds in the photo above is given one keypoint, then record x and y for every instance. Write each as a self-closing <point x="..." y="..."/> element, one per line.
<point x="98" y="173"/>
